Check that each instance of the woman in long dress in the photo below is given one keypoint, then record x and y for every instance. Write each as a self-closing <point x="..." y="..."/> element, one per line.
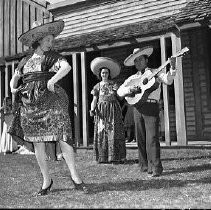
<point x="7" y="144"/>
<point x="109" y="140"/>
<point x="42" y="121"/>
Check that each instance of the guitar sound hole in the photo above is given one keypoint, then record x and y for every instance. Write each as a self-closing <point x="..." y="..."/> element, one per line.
<point x="145" y="81"/>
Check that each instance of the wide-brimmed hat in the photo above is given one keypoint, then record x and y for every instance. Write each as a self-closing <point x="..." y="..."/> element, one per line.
<point x="39" y="31"/>
<point x="129" y="61"/>
<point x="104" y="62"/>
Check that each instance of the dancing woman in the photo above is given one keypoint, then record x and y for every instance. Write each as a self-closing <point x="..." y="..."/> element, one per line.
<point x="43" y="106"/>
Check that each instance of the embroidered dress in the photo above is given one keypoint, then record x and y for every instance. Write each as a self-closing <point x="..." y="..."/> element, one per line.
<point x="109" y="141"/>
<point x="43" y="114"/>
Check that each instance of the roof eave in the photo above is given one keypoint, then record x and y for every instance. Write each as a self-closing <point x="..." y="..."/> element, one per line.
<point x="62" y="4"/>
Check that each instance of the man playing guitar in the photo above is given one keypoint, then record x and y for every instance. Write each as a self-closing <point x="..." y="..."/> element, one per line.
<point x="146" y="113"/>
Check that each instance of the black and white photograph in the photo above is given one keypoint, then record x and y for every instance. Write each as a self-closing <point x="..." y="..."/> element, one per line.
<point x="105" y="104"/>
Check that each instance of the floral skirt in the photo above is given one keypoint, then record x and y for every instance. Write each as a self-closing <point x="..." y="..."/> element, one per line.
<point x="109" y="138"/>
<point x="42" y="117"/>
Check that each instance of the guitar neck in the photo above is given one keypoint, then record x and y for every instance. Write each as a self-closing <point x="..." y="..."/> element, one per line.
<point x="184" y="50"/>
<point x="159" y="69"/>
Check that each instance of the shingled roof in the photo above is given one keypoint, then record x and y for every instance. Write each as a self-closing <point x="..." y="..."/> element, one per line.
<point x="194" y="11"/>
<point x="197" y="10"/>
<point x="114" y="34"/>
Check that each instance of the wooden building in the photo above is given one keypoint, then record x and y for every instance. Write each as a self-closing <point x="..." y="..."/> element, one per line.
<point x="114" y="28"/>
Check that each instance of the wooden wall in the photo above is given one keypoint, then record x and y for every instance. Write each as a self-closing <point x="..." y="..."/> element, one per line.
<point x="196" y="83"/>
<point x="189" y="88"/>
<point x="102" y="15"/>
<point x="16" y="17"/>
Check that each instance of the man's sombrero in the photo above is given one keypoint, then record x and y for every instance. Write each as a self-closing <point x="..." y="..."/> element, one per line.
<point x="104" y="62"/>
<point x="39" y="31"/>
<point x="129" y="61"/>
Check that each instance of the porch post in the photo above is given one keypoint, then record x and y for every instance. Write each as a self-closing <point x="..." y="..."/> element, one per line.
<point x="179" y="93"/>
<point x="76" y="100"/>
<point x="1" y="121"/>
<point x="6" y="81"/>
<point x="165" y="94"/>
<point x="13" y="71"/>
<point x="84" y="100"/>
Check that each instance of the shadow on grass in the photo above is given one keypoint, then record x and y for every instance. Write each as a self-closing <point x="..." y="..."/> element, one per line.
<point x="134" y="161"/>
<point x="169" y="171"/>
<point x="203" y="167"/>
<point x="140" y="185"/>
<point x="126" y="162"/>
<point x="57" y="191"/>
<point x="187" y="158"/>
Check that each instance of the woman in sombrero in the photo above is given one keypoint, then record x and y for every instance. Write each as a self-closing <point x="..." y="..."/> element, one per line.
<point x="109" y="139"/>
<point x="41" y="113"/>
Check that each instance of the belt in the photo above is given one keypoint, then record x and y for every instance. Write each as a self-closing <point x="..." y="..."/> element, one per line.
<point x="152" y="101"/>
<point x="37" y="76"/>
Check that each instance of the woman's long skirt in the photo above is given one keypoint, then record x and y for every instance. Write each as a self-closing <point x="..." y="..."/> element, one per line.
<point x="7" y="144"/>
<point x="109" y="139"/>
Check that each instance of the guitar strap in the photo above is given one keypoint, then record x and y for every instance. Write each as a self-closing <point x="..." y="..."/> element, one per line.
<point x="157" y="83"/>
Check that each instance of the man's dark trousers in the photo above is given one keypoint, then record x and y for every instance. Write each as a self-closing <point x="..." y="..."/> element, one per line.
<point x="146" y="129"/>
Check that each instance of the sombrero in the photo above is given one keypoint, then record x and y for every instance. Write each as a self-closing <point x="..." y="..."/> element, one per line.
<point x="38" y="31"/>
<point x="129" y="61"/>
<point x="105" y="62"/>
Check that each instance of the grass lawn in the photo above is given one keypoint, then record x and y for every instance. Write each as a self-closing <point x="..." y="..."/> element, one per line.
<point x="185" y="183"/>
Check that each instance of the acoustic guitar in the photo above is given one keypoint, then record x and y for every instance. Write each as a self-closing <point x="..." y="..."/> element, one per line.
<point x="146" y="81"/>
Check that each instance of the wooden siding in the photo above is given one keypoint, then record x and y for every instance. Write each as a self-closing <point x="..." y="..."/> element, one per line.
<point x="16" y="17"/>
<point x="172" y="123"/>
<point x="189" y="94"/>
<point x="200" y="71"/>
<point x="115" y="14"/>
<point x="198" y="114"/>
<point x="1" y="28"/>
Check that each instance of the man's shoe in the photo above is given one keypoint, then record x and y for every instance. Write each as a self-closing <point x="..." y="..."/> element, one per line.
<point x="157" y="173"/>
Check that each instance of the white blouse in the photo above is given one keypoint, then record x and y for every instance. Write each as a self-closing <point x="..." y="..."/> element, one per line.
<point x="34" y="64"/>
